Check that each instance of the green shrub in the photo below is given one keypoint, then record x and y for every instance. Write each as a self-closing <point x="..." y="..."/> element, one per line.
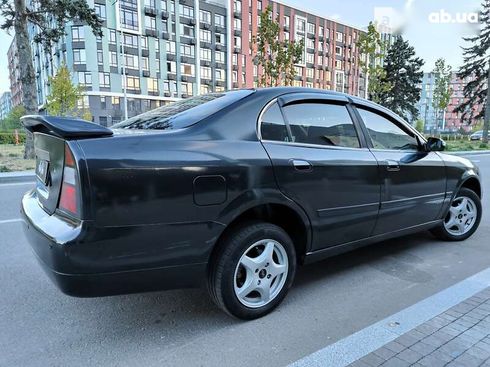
<point x="9" y="138"/>
<point x="4" y="169"/>
<point x="483" y="146"/>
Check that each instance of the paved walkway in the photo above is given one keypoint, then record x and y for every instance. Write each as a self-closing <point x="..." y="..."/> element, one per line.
<point x="458" y="337"/>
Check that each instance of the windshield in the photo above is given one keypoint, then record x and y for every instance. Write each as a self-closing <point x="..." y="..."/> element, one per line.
<point x="184" y="113"/>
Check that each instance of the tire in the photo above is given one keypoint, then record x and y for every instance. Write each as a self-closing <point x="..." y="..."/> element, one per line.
<point x="466" y="217"/>
<point x="241" y="270"/>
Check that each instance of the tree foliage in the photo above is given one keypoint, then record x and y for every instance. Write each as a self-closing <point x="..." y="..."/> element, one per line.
<point x="50" y="18"/>
<point x="64" y="95"/>
<point x="442" y="88"/>
<point x="476" y="67"/>
<point x="373" y="48"/>
<point x="404" y="74"/>
<point x="12" y="121"/>
<point x="276" y="57"/>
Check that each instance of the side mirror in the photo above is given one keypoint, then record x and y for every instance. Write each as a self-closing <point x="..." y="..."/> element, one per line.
<point x="435" y="145"/>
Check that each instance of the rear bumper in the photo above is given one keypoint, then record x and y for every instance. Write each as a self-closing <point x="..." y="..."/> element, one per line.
<point x="84" y="262"/>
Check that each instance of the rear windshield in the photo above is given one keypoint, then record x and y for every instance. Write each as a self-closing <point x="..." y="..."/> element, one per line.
<point x="184" y="113"/>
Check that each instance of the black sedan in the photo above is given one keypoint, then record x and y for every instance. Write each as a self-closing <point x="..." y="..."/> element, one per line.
<point x="234" y="191"/>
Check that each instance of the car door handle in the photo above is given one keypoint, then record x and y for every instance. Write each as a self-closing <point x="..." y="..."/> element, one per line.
<point x="392" y="166"/>
<point x="301" y="165"/>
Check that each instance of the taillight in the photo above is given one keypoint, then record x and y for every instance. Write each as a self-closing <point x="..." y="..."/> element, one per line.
<point x="69" y="188"/>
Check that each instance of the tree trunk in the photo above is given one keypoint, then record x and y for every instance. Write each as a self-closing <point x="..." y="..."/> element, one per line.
<point x="486" y="121"/>
<point x="26" y="69"/>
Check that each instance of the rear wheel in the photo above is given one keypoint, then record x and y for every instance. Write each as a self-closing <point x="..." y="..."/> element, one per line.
<point x="253" y="270"/>
<point x="463" y="217"/>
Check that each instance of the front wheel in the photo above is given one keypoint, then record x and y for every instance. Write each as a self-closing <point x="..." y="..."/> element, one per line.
<point x="463" y="217"/>
<point x="252" y="270"/>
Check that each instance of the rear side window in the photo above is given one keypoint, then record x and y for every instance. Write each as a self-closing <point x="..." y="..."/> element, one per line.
<point x="183" y="113"/>
<point x="385" y="134"/>
<point x="321" y="124"/>
<point x="272" y="126"/>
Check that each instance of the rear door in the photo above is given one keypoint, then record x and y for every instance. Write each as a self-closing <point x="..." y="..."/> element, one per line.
<point x="322" y="163"/>
<point x="413" y="181"/>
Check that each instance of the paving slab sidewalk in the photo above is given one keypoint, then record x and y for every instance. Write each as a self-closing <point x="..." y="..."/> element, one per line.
<point x="459" y="336"/>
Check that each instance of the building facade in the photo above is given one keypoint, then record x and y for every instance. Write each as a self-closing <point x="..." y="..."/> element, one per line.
<point x="452" y="120"/>
<point x="5" y="104"/>
<point x="330" y="59"/>
<point x="14" y="74"/>
<point x="157" y="51"/>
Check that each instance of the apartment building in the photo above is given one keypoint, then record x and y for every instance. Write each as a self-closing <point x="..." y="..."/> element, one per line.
<point x="330" y="59"/>
<point x="5" y="104"/>
<point x="154" y="52"/>
<point x="14" y="75"/>
<point x="452" y="121"/>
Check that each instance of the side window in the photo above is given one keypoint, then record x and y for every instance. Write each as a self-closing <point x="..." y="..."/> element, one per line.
<point x="385" y="134"/>
<point x="272" y="126"/>
<point x="321" y="124"/>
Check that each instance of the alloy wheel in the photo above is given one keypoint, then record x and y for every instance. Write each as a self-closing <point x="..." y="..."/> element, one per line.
<point x="261" y="273"/>
<point x="461" y="216"/>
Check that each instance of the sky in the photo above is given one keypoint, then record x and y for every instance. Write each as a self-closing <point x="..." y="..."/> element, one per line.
<point x="434" y="27"/>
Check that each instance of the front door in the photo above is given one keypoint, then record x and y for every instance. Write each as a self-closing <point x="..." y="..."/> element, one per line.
<point x="320" y="163"/>
<point x="413" y="181"/>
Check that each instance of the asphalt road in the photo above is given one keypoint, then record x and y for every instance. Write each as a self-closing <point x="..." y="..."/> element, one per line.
<point x="39" y="326"/>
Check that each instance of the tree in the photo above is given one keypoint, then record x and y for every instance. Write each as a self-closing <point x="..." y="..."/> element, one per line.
<point x="50" y="17"/>
<point x="403" y="74"/>
<point x="476" y="67"/>
<point x="276" y="57"/>
<point x="419" y="125"/>
<point x="442" y="89"/>
<point x="372" y="47"/>
<point x="12" y="121"/>
<point x="62" y="100"/>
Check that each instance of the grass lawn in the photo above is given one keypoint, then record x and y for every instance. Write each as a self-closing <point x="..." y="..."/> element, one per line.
<point x="462" y="145"/>
<point x="11" y="158"/>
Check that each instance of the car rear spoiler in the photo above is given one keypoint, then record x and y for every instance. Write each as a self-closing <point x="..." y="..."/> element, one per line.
<point x="64" y="127"/>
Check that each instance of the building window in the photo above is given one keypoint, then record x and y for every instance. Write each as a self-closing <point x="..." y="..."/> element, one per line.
<point x="205" y="89"/>
<point x="238" y="41"/>
<point x="132" y="82"/>
<point x="112" y="36"/>
<point x="321" y="30"/>
<point x="85" y="79"/>
<point x="144" y="43"/>
<point x="129" y="17"/>
<point x="286" y="20"/>
<point x="150" y="23"/>
<point x="300" y="25"/>
<point x="113" y="59"/>
<point x="205" y="54"/>
<point x="234" y="59"/>
<point x="186" y="11"/>
<point x="150" y="3"/>
<point x="79" y="56"/>
<point x="170" y="87"/>
<point x="103" y="103"/>
<point x="144" y="63"/>
<point x="205" y="16"/>
<point x="310" y="43"/>
<point x="219" y="20"/>
<point x="205" y="36"/>
<point x="157" y="45"/>
<point x="310" y="73"/>
<point x="338" y="51"/>
<point x="77" y="33"/>
<point x="131" y="61"/>
<point x="186" y="30"/>
<point x="187" y="69"/>
<point x="171" y="67"/>
<point x="340" y="37"/>
<point x="152" y="85"/>
<point x="157" y="64"/>
<point x="237" y="6"/>
<point x="219" y="56"/>
<point x="237" y="24"/>
<point x="100" y="11"/>
<point x="170" y="47"/>
<point x="311" y="28"/>
<point x="259" y="5"/>
<point x="205" y="72"/>
<point x="187" y="88"/>
<point x="187" y="50"/>
<point x="100" y="57"/>
<point x="220" y="38"/>
<point x="338" y="64"/>
<point x="104" y="80"/>
<point x="130" y="40"/>
<point x="220" y="74"/>
<point x="310" y="58"/>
